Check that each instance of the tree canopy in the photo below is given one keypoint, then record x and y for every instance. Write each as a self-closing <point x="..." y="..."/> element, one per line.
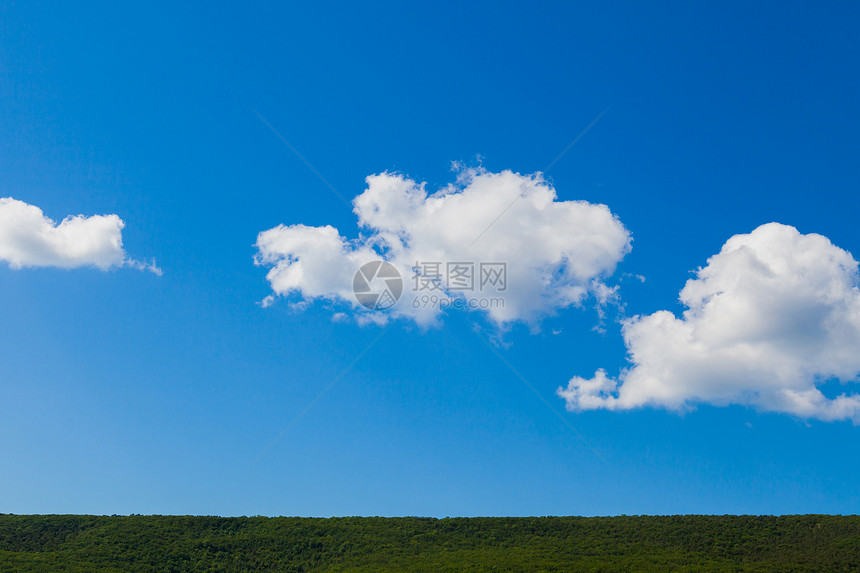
<point x="626" y="543"/>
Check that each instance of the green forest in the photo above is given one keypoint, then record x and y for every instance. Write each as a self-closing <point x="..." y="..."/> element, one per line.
<point x="626" y="543"/>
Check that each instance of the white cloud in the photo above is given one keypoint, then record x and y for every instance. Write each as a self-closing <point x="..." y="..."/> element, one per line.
<point x="29" y="239"/>
<point x="771" y="318"/>
<point x="557" y="252"/>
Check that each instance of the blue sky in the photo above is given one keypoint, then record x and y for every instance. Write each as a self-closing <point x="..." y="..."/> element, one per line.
<point x="126" y="391"/>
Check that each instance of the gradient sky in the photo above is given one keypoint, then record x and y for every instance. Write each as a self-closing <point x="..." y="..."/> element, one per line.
<point x="122" y="391"/>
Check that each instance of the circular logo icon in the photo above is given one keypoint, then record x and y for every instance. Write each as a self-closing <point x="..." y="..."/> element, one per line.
<point x="377" y="285"/>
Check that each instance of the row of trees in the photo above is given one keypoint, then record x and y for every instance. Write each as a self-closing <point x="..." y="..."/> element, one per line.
<point x="626" y="543"/>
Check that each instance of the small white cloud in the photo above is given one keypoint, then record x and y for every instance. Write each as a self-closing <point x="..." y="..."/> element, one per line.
<point x="771" y="318"/>
<point x="29" y="239"/>
<point x="557" y="253"/>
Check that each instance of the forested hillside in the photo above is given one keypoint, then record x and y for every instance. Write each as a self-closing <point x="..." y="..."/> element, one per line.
<point x="636" y="543"/>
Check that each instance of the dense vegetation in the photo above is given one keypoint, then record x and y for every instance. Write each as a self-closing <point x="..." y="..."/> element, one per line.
<point x="641" y="543"/>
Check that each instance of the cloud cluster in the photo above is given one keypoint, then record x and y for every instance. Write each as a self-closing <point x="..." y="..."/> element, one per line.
<point x="30" y="239"/>
<point x="557" y="253"/>
<point x="770" y="319"/>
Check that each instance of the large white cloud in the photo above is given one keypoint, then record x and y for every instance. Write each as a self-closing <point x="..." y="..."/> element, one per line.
<point x="558" y="253"/>
<point x="771" y="318"/>
<point x="30" y="239"/>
